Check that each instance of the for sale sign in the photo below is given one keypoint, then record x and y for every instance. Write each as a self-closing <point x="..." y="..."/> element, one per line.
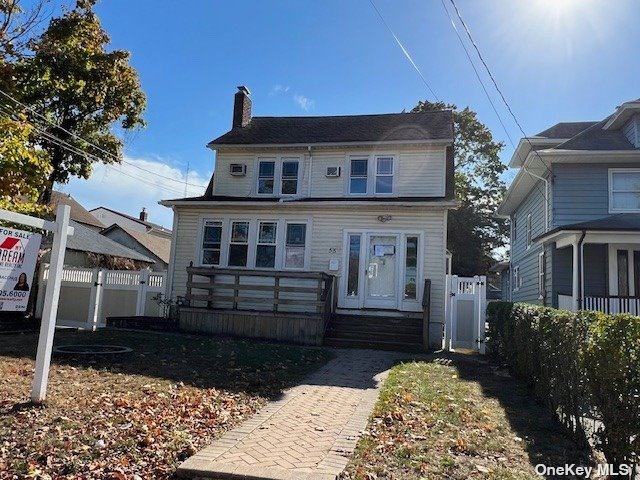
<point x="18" y="256"/>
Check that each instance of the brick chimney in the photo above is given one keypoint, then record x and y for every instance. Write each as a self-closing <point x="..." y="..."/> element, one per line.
<point x="144" y="215"/>
<point x="241" y="107"/>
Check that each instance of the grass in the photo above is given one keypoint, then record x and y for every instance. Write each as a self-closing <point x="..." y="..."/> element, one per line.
<point x="457" y="418"/>
<point x="134" y="415"/>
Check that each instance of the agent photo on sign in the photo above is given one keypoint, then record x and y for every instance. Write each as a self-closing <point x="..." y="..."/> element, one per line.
<point x="22" y="283"/>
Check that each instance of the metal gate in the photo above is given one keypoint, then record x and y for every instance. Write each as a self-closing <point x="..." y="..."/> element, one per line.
<point x="465" y="312"/>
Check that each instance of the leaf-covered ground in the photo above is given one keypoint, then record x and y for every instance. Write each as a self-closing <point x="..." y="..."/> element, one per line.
<point x="134" y="415"/>
<point x="457" y="418"/>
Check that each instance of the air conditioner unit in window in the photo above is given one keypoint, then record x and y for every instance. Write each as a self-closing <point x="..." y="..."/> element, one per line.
<point x="238" y="169"/>
<point x="333" y="172"/>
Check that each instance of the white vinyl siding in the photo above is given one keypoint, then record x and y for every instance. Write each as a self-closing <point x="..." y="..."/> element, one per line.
<point x="418" y="172"/>
<point x="324" y="238"/>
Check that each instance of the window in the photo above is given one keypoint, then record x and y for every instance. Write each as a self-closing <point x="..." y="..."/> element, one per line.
<point x="294" y="248"/>
<point x="517" y="281"/>
<point x="384" y="175"/>
<point x="411" y="268"/>
<point x="514" y="228"/>
<point x="358" y="176"/>
<point x="354" y="266"/>
<point x="624" y="190"/>
<point x="266" y="176"/>
<point x="529" y="231"/>
<point x="239" y="244"/>
<point x="211" y="242"/>
<point x="266" y="245"/>
<point x="541" y="276"/>
<point x="623" y="273"/>
<point x="289" y="177"/>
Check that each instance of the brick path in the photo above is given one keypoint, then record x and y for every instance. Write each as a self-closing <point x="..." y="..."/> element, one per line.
<point x="307" y="434"/>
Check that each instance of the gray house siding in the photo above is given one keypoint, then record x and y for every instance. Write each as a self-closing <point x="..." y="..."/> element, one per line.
<point x="526" y="259"/>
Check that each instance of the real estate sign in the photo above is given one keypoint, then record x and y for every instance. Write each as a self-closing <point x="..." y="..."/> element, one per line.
<point x="18" y="256"/>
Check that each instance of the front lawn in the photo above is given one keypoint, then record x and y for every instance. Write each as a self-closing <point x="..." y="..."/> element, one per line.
<point x="457" y="418"/>
<point x="135" y="414"/>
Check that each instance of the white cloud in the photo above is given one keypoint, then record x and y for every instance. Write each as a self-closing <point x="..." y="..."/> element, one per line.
<point x="303" y="102"/>
<point x="135" y="184"/>
<point x="279" y="89"/>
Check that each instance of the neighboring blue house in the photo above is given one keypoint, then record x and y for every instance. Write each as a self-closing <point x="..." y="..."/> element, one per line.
<point x="574" y="208"/>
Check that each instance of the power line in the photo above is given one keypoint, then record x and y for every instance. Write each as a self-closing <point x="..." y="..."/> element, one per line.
<point x="404" y="50"/>
<point x="119" y="160"/>
<point x="495" y="84"/>
<point x="88" y="156"/>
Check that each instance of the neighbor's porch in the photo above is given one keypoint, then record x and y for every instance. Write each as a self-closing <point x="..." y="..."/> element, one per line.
<point x="598" y="271"/>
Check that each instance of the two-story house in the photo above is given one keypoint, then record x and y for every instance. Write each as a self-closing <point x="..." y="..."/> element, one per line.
<point x="574" y="207"/>
<point x="359" y="199"/>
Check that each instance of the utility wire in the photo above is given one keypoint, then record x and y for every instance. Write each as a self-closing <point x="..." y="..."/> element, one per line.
<point x="51" y="122"/>
<point x="404" y="50"/>
<point x="88" y="156"/>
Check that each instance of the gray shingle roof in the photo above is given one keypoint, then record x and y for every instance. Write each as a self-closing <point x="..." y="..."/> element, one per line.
<point x="620" y="222"/>
<point x="342" y="129"/>
<point x="565" y="129"/>
<point x="159" y="246"/>
<point x="78" y="212"/>
<point x="595" y="138"/>
<point x="86" y="240"/>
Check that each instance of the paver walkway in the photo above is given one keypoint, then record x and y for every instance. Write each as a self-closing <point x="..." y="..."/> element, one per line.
<point x="309" y="433"/>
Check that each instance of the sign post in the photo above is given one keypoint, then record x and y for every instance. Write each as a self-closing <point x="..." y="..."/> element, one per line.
<point x="61" y="230"/>
<point x="50" y="311"/>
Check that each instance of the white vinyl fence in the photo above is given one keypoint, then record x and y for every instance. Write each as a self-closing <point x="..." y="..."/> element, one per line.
<point x="89" y="295"/>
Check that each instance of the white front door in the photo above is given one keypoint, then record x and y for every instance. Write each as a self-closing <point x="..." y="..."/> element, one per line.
<point x="381" y="271"/>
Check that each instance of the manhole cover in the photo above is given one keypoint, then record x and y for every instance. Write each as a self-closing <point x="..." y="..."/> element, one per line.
<point x="91" y="349"/>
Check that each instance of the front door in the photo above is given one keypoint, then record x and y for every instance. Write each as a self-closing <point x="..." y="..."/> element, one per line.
<point x="381" y="271"/>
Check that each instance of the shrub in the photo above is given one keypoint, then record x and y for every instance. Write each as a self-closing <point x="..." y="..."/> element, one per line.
<point x="576" y="362"/>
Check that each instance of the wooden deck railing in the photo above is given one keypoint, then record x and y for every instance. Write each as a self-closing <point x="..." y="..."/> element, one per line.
<point x="240" y="291"/>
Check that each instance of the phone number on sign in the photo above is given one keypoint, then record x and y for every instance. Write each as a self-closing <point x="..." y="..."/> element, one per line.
<point x="13" y="294"/>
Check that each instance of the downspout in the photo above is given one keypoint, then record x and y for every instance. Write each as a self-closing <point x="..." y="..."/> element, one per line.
<point x="580" y="262"/>
<point x="546" y="197"/>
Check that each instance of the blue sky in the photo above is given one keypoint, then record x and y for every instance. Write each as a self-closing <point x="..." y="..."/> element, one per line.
<point x="555" y="60"/>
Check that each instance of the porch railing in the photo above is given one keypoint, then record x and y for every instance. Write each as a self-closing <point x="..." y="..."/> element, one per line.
<point x="606" y="304"/>
<point x="262" y="290"/>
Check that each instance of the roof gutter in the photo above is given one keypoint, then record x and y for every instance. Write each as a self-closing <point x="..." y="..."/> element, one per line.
<point x="440" y="141"/>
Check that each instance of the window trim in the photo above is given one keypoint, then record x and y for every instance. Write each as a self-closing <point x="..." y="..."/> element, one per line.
<point x="392" y="174"/>
<point x="611" y="172"/>
<point x="372" y="173"/>
<point x="517" y="279"/>
<point x="529" y="231"/>
<point x="366" y="177"/>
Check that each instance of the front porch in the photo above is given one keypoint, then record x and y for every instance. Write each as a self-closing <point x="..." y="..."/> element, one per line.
<point x="596" y="270"/>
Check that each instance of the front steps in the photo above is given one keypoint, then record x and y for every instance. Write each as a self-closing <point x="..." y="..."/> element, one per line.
<point x="398" y="333"/>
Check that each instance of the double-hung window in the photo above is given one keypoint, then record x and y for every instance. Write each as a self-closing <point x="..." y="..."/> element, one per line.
<point x="529" y="231"/>
<point x="211" y="242"/>
<point x="266" y="177"/>
<point x="266" y="245"/>
<point x="624" y="190"/>
<point x="295" y="243"/>
<point x="517" y="280"/>
<point x="384" y="175"/>
<point x="239" y="244"/>
<point x="289" y="177"/>
<point x="358" y="176"/>
<point x="541" y="276"/>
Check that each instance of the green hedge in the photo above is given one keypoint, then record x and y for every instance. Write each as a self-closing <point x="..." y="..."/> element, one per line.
<point x="578" y="364"/>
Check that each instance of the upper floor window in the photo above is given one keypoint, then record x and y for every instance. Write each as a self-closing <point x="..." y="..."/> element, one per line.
<point x="529" y="231"/>
<point x="624" y="190"/>
<point x="266" y="176"/>
<point x="278" y="176"/>
<point x="514" y="228"/>
<point x="384" y="175"/>
<point x="358" y="176"/>
<point x="289" y="177"/>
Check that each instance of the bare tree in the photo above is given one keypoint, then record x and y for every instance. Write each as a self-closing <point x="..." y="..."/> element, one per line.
<point x="18" y="24"/>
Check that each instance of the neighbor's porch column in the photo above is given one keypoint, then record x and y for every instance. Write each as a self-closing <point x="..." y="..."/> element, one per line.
<point x="575" y="292"/>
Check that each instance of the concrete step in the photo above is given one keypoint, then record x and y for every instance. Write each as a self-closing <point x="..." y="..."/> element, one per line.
<point x="374" y="345"/>
<point x="374" y="336"/>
